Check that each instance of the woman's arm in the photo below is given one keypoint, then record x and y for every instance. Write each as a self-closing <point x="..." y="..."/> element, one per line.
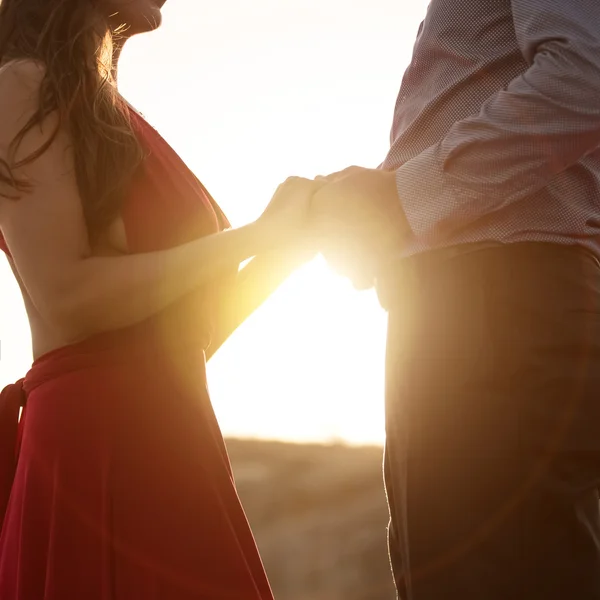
<point x="81" y="294"/>
<point x="253" y="285"/>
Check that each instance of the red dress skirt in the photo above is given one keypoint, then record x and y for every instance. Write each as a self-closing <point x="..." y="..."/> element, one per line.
<point x="121" y="488"/>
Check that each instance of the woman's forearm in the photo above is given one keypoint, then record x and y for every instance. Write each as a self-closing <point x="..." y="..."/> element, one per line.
<point x="105" y="293"/>
<point x="254" y="284"/>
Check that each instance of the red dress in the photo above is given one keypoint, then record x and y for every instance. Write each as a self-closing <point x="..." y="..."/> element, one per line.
<point x="123" y="489"/>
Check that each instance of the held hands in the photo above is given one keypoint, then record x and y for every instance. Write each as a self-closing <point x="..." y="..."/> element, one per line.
<point x="354" y="217"/>
<point x="287" y="219"/>
<point x="358" y="219"/>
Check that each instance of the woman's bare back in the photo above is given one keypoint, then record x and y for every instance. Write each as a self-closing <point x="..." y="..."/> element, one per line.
<point x="44" y="336"/>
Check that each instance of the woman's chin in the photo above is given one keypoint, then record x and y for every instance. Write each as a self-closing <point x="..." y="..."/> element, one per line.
<point x="156" y="18"/>
<point x="148" y="22"/>
<point x="152" y="19"/>
<point x="142" y="23"/>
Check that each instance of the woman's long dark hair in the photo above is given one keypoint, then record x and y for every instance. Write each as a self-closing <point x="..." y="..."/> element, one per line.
<point x="71" y="39"/>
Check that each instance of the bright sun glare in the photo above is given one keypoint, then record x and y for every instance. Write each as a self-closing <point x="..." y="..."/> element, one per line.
<point x="249" y="93"/>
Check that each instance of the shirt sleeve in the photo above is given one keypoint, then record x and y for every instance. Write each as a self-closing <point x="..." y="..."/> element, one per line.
<point x="545" y="121"/>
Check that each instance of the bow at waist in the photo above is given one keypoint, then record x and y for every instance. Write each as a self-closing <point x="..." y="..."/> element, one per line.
<point x="12" y="400"/>
<point x="143" y="344"/>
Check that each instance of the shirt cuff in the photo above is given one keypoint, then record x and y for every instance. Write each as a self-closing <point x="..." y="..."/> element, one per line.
<point x="431" y="207"/>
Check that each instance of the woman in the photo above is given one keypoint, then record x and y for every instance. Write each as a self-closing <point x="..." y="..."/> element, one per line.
<point x="123" y="488"/>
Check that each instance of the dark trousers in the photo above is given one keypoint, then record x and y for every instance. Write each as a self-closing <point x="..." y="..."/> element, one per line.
<point x="492" y="459"/>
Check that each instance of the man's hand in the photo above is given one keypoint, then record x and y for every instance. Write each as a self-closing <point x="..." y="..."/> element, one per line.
<point x="359" y="221"/>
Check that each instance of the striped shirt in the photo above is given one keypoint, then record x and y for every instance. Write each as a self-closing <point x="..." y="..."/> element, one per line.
<point x="496" y="132"/>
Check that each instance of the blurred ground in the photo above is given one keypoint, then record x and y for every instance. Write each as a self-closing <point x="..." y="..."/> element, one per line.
<point x="319" y="516"/>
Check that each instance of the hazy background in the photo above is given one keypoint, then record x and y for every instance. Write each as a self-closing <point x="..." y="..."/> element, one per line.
<point x="249" y="92"/>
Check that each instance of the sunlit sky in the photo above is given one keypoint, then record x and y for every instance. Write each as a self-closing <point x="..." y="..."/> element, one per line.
<point x="248" y="93"/>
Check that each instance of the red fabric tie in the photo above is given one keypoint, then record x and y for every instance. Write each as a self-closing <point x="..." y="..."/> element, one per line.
<point x="12" y="399"/>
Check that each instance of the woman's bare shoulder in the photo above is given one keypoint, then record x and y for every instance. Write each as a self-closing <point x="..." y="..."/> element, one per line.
<point x="20" y="77"/>
<point x="19" y="101"/>
<point x="27" y="69"/>
<point x="19" y="96"/>
<point x="20" y="82"/>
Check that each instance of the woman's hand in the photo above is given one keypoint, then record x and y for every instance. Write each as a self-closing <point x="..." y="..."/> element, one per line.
<point x="286" y="217"/>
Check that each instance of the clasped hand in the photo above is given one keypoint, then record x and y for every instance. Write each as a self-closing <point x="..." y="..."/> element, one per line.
<point x="353" y="217"/>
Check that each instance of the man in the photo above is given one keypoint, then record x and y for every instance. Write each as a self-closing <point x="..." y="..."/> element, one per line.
<point x="481" y="232"/>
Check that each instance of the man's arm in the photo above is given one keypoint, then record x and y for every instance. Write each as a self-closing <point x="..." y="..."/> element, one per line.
<point x="543" y="123"/>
